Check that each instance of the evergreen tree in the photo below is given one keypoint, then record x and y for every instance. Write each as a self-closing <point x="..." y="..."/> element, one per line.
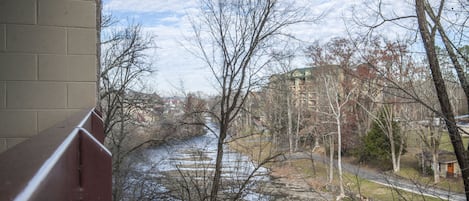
<point x="376" y="145"/>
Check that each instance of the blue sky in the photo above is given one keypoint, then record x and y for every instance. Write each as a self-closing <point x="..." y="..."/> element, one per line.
<point x="177" y="68"/>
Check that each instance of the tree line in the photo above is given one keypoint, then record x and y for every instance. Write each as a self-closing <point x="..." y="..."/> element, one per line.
<point x="363" y="95"/>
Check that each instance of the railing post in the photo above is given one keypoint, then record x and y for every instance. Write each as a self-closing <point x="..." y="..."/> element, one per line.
<point x="64" y="162"/>
<point x="97" y="126"/>
<point x="95" y="169"/>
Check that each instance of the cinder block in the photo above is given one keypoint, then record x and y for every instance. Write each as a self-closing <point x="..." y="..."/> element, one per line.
<point x="81" y="95"/>
<point x="17" y="124"/>
<point x="3" y="95"/>
<point x="37" y="95"/>
<point x="52" y="67"/>
<point x="81" y="41"/>
<point x="36" y="39"/>
<point x="2" y="38"/>
<point x="3" y="145"/>
<point x="18" y="67"/>
<point x="47" y="119"/>
<point x="11" y="142"/>
<point x="82" y="67"/>
<point x="67" y="68"/>
<point x="67" y="13"/>
<point x="18" y="11"/>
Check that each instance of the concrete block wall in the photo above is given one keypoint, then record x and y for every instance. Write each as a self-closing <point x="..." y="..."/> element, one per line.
<point x="48" y="64"/>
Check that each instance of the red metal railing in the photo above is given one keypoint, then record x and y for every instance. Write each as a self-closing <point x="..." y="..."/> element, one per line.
<point x="65" y="162"/>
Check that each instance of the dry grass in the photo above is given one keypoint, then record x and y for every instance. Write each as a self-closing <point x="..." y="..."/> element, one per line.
<point x="410" y="170"/>
<point x="300" y="171"/>
<point x="368" y="189"/>
<point x="446" y="142"/>
<point x="353" y="183"/>
<point x="316" y="178"/>
<point x="414" y="142"/>
<point x="259" y="151"/>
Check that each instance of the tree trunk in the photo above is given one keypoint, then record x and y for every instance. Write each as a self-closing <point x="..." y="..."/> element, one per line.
<point x="447" y="112"/>
<point x="401" y="149"/>
<point x="118" y="158"/>
<point x="289" y="129"/>
<point x="316" y="142"/>
<point x="451" y="53"/>
<point x="393" y="153"/>
<point x="217" y="175"/>
<point x="339" y="156"/>
<point x="117" y="184"/>
<point x="297" y="133"/>
<point x="389" y="121"/>
<point x="218" y="163"/>
<point x="422" y="160"/>
<point x="331" y="158"/>
<point x="436" y="171"/>
<point x="398" y="157"/>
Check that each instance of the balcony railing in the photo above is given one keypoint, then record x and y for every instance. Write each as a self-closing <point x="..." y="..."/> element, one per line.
<point x="65" y="162"/>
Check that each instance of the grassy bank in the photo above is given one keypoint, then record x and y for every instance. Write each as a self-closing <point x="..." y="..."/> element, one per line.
<point x="410" y="168"/>
<point x="314" y="173"/>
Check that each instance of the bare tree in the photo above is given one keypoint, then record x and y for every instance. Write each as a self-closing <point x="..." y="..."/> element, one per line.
<point x="341" y="53"/>
<point x="386" y="122"/>
<point x="275" y="109"/>
<point x="335" y="94"/>
<point x="394" y="74"/>
<point x="430" y="132"/>
<point x="287" y="86"/>
<point x="338" y="97"/>
<point x="123" y="63"/>
<point x="428" y="32"/>
<point x="234" y="46"/>
<point x="440" y="22"/>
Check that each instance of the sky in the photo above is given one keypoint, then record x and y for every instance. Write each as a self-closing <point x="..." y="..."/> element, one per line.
<point x="178" y="70"/>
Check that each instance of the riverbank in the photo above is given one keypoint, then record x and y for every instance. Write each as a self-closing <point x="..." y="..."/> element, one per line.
<point x="290" y="179"/>
<point x="183" y="170"/>
<point x="311" y="174"/>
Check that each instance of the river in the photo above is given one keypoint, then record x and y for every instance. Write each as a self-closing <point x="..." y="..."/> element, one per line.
<point x="185" y="167"/>
<point x="182" y="170"/>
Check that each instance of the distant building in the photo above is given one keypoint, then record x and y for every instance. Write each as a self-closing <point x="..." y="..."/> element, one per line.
<point x="307" y="88"/>
<point x="447" y="163"/>
<point x="146" y="107"/>
<point x="173" y="105"/>
<point x="303" y="83"/>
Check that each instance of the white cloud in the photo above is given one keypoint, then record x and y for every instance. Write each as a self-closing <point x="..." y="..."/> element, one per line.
<point x="176" y="6"/>
<point x="167" y="20"/>
<point x="170" y="19"/>
<point x="175" y="64"/>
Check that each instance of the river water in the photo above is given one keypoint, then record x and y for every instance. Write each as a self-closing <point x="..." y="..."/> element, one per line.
<point x="189" y="164"/>
<point x="182" y="170"/>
